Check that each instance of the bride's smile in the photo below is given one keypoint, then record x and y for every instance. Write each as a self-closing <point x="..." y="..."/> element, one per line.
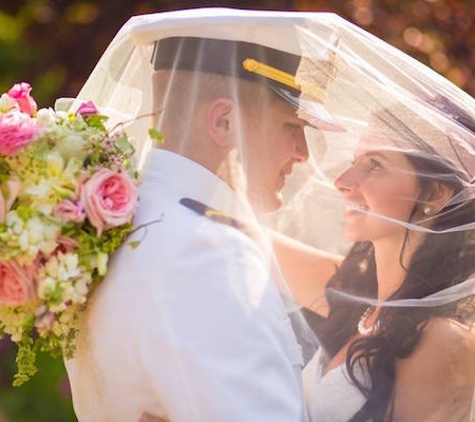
<point x="380" y="185"/>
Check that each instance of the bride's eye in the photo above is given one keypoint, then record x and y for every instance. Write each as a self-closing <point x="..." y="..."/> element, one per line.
<point x="374" y="164"/>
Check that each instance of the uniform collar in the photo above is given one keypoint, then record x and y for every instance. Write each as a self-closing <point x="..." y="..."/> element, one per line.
<point x="189" y="179"/>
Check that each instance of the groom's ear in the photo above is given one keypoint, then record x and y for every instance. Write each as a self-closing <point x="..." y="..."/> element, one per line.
<point x="219" y="119"/>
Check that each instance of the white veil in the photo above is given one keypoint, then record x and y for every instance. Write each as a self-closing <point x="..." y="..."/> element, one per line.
<point x="121" y="83"/>
<point x="357" y="96"/>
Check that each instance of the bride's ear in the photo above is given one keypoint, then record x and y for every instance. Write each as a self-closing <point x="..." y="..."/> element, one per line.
<point x="438" y="196"/>
<point x="220" y="115"/>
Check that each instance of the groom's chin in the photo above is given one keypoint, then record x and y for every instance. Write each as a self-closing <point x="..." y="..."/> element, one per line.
<point x="266" y="203"/>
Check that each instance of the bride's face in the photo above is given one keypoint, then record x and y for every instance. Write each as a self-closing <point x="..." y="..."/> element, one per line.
<point x="380" y="185"/>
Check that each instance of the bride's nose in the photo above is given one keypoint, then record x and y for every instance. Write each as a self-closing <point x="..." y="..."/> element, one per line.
<point x="348" y="181"/>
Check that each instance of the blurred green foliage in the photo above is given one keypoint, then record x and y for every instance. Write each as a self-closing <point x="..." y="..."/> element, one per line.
<point x="45" y="398"/>
<point x="54" y="45"/>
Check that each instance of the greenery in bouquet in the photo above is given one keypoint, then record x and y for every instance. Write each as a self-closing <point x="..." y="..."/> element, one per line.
<point x="68" y="193"/>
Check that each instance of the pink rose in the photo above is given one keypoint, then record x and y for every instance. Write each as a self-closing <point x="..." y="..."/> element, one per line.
<point x="17" y="284"/>
<point x="13" y="189"/>
<point x="17" y="130"/>
<point x="87" y="109"/>
<point x="21" y="94"/>
<point x="109" y="198"/>
<point x="70" y="211"/>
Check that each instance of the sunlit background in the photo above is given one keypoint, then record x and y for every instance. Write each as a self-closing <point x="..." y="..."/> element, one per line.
<point x="54" y="45"/>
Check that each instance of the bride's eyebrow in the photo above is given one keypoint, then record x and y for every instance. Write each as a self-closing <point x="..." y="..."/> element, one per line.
<point x="369" y="154"/>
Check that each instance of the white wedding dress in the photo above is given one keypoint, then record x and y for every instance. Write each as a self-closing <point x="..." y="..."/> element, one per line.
<point x="331" y="397"/>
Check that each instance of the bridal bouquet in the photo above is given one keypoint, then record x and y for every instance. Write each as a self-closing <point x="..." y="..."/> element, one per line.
<point x="68" y="193"/>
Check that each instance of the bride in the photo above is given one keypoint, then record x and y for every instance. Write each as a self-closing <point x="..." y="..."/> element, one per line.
<point x="407" y="204"/>
<point x="410" y="354"/>
<point x="393" y="317"/>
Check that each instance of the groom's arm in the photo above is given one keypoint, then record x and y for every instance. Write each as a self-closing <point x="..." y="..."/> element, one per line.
<point x="147" y="417"/>
<point x="218" y="346"/>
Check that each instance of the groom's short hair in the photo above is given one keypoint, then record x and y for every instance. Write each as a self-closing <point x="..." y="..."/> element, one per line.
<point x="178" y="93"/>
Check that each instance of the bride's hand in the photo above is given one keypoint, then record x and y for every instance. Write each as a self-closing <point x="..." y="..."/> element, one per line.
<point x="147" y="417"/>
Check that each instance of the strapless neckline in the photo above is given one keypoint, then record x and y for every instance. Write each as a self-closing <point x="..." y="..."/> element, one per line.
<point x="330" y="396"/>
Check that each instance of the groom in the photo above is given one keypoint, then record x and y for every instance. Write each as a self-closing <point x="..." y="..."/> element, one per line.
<point x="189" y="326"/>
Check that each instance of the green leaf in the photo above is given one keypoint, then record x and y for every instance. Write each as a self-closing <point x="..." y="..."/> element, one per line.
<point x="134" y="244"/>
<point x="24" y="212"/>
<point x="124" y="145"/>
<point x="4" y="170"/>
<point x="39" y="149"/>
<point x="156" y="135"/>
<point x="97" y="121"/>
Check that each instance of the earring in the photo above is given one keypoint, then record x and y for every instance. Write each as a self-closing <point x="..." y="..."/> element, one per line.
<point x="427" y="210"/>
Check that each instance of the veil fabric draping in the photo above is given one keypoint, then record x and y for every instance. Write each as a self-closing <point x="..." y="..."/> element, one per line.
<point x="376" y="121"/>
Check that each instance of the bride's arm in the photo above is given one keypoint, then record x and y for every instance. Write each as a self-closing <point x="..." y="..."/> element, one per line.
<point x="306" y="270"/>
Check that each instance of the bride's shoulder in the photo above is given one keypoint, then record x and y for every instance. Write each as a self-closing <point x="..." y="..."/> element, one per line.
<point x="448" y="334"/>
<point x="442" y="365"/>
<point x="444" y="343"/>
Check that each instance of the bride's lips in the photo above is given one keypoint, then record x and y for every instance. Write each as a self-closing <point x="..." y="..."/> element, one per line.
<point x="354" y="208"/>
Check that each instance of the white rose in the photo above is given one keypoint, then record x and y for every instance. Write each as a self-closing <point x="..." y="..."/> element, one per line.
<point x="35" y="230"/>
<point x="7" y="103"/>
<point x="66" y="317"/>
<point x="24" y="241"/>
<point x="45" y="286"/>
<point x="71" y="146"/>
<point x="46" y="116"/>
<point x="68" y="268"/>
<point x="54" y="164"/>
<point x="82" y="285"/>
<point x="14" y="222"/>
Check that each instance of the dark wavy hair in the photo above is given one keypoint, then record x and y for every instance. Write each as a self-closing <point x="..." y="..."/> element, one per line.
<point x="442" y="260"/>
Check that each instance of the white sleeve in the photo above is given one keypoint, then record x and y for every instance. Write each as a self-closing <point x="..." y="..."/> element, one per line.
<point x="216" y="345"/>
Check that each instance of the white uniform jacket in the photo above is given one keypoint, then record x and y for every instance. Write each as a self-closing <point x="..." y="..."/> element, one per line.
<point x="189" y="325"/>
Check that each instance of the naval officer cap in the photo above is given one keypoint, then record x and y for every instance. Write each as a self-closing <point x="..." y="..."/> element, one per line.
<point x="269" y="47"/>
<point x="273" y="68"/>
<point x="229" y="58"/>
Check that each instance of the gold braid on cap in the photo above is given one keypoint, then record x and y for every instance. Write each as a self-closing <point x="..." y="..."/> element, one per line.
<point x="270" y="72"/>
<point x="262" y="69"/>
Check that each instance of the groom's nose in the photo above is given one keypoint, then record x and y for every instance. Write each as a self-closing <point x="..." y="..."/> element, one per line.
<point x="300" y="153"/>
